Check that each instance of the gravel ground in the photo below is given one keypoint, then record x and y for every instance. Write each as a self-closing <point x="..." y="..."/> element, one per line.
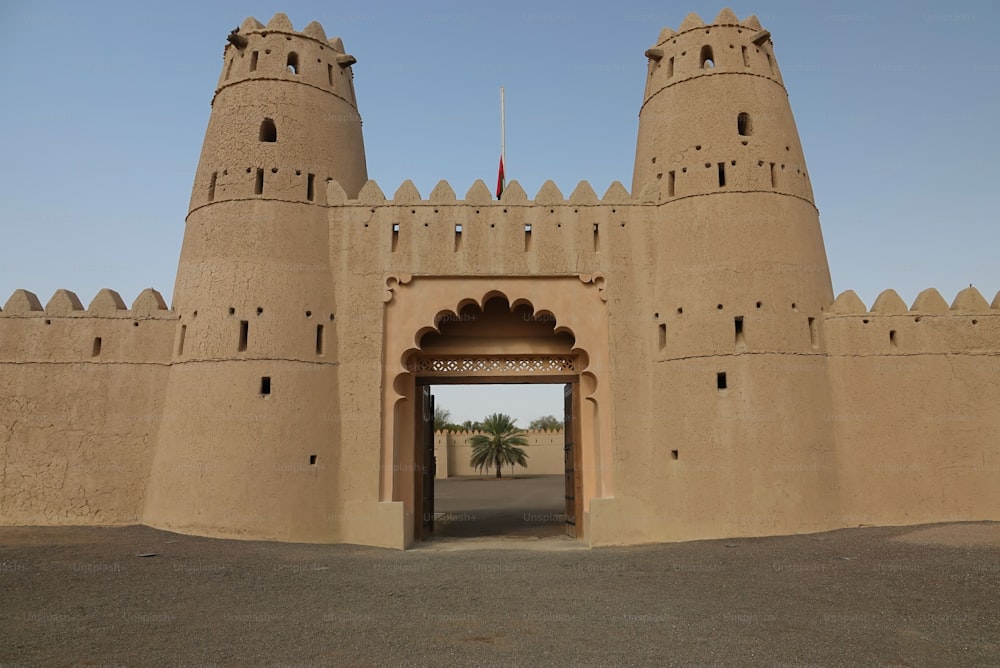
<point x="913" y="596"/>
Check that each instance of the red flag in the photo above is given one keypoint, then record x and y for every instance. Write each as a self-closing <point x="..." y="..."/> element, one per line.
<point x="500" y="179"/>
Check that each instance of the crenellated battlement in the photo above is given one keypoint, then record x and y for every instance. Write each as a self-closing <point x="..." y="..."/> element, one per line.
<point x="970" y="325"/>
<point x="106" y="304"/>
<point x="106" y="331"/>
<point x="929" y="302"/>
<point x="479" y="195"/>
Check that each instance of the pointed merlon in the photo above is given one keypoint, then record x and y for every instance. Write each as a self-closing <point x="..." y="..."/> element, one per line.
<point x="336" y="44"/>
<point x="514" y="194"/>
<point x="63" y="302"/>
<point x="407" y="193"/>
<point x="442" y="193"/>
<point x="996" y="301"/>
<point x="335" y="193"/>
<point x="149" y="302"/>
<point x="889" y="302"/>
<point x="583" y="194"/>
<point x="280" y="22"/>
<point x="478" y="193"/>
<point x="371" y="194"/>
<point x="930" y="301"/>
<point x="691" y="21"/>
<point x="848" y="303"/>
<point x="726" y="17"/>
<point x="22" y="302"/>
<point x="107" y="302"/>
<point x="250" y="24"/>
<point x="616" y="194"/>
<point x="315" y="30"/>
<point x="549" y="193"/>
<point x="970" y="299"/>
<point x="753" y="22"/>
<point x="665" y="34"/>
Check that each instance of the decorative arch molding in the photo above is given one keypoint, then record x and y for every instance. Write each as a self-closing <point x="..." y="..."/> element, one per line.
<point x="417" y="305"/>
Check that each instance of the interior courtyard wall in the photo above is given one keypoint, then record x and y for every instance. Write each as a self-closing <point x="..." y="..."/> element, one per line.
<point x="453" y="450"/>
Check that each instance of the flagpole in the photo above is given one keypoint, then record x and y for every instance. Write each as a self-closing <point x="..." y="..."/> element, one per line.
<point x="503" y="132"/>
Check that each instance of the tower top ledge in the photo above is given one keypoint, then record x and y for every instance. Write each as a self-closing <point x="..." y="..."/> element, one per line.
<point x="725" y="18"/>
<point x="280" y="23"/>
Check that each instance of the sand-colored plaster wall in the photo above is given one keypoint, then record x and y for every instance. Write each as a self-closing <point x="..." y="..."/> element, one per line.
<point x="83" y="402"/>
<point x="915" y="409"/>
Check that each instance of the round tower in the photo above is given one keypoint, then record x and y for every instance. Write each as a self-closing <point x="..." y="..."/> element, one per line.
<point x="248" y="445"/>
<point x="739" y="279"/>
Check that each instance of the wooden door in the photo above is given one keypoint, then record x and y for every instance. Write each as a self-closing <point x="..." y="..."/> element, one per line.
<point x="427" y="463"/>
<point x="569" y="460"/>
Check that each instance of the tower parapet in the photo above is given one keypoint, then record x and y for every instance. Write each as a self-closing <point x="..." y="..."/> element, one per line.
<point x="715" y="114"/>
<point x="284" y="118"/>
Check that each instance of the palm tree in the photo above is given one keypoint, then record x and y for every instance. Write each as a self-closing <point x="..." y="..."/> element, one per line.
<point x="499" y="444"/>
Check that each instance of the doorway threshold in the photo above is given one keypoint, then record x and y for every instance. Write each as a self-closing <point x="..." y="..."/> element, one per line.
<point x="533" y="543"/>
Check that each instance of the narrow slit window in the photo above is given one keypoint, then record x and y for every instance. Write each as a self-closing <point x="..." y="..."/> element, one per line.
<point x="527" y="238"/>
<point x="671" y="183"/>
<point x="292" y="63"/>
<point x="458" y="238"/>
<point x="746" y="57"/>
<point x="707" y="59"/>
<point x="319" y="339"/>
<point x="96" y="350"/>
<point x="774" y="176"/>
<point x="662" y="329"/>
<point x="743" y="125"/>
<point x="258" y="182"/>
<point x="311" y="187"/>
<point x="770" y="62"/>
<point x="670" y="67"/>
<point x="244" y="334"/>
<point x="720" y="380"/>
<point x="253" y="61"/>
<point x="268" y="131"/>
<point x="229" y="67"/>
<point x="211" y="186"/>
<point x="722" y="175"/>
<point x="265" y="386"/>
<point x="741" y="341"/>
<point x="597" y="237"/>
<point x="892" y="338"/>
<point x="312" y="460"/>
<point x="813" y="334"/>
<point x="329" y="74"/>
<point x="395" y="236"/>
<point x="180" y="340"/>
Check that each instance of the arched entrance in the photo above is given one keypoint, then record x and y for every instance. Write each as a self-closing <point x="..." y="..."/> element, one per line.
<point x="493" y="330"/>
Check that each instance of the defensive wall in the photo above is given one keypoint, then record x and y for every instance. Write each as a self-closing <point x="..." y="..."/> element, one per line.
<point x="83" y="400"/>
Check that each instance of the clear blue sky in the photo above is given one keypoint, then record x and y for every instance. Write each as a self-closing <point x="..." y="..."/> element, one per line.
<point x="105" y="106"/>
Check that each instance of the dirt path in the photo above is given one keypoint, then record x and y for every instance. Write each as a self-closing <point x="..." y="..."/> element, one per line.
<point x="887" y="596"/>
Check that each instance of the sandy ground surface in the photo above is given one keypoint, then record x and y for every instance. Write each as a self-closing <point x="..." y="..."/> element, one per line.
<point x="910" y="596"/>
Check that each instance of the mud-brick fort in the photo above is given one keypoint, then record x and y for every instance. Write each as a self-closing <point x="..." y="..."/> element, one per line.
<point x="714" y="386"/>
